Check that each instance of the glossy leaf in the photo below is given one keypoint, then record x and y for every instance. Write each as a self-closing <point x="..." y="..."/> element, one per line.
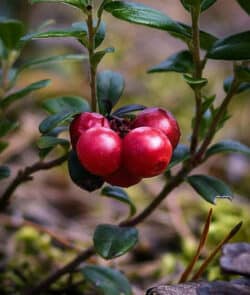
<point x="245" y="4"/>
<point x="143" y="15"/>
<point x="194" y="82"/>
<point x="204" y="4"/>
<point x="228" y="146"/>
<point x="75" y="3"/>
<point x="128" y="109"/>
<point x="11" y="32"/>
<point x="180" y="154"/>
<point x="98" y="56"/>
<point x="4" y="172"/>
<point x="235" y="47"/>
<point x="243" y="73"/>
<point x="52" y="59"/>
<point x="74" y="104"/>
<point x="23" y="92"/>
<point x="120" y="195"/>
<point x="7" y="126"/>
<point x="109" y="281"/>
<point x="228" y="82"/>
<point x="181" y="62"/>
<point x="45" y="142"/>
<point x="110" y="86"/>
<point x="112" y="241"/>
<point x="209" y="188"/>
<point x="55" y="120"/>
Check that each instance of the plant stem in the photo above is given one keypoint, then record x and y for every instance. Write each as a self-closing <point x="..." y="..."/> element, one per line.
<point x="91" y="49"/>
<point x="26" y="175"/>
<point x="196" y="75"/>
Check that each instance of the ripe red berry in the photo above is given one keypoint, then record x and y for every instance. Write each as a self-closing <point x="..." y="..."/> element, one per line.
<point x="83" y="122"/>
<point x="99" y="150"/>
<point x="122" y="178"/>
<point x="160" y="119"/>
<point x="146" y="151"/>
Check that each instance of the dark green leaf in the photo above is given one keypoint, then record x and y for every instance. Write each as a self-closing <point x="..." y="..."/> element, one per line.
<point x="112" y="241"/>
<point x="235" y="47"/>
<point x="73" y="104"/>
<point x="194" y="82"/>
<point x="181" y="62"/>
<point x="207" y="103"/>
<point x="80" y="176"/>
<point x="110" y="86"/>
<point x="243" y="73"/>
<point x="228" y="146"/>
<point x="180" y="154"/>
<point x="53" y="121"/>
<point x="75" y="3"/>
<point x="204" y="4"/>
<point x="109" y="281"/>
<point x="23" y="92"/>
<point x="3" y="146"/>
<point x="228" y="83"/>
<point x="98" y="56"/>
<point x="119" y="194"/>
<point x="245" y="4"/>
<point x="101" y="7"/>
<point x="4" y="172"/>
<point x="128" y="109"/>
<point x="7" y="126"/>
<point x="143" y="15"/>
<point x="11" y="32"/>
<point x="209" y="187"/>
<point x="45" y="142"/>
<point x="52" y="59"/>
<point x="100" y="34"/>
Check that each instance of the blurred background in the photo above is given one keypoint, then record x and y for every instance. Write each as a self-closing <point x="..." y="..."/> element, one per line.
<point x="167" y="238"/>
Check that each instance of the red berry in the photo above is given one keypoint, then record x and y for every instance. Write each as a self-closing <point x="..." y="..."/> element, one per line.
<point x="122" y="178"/>
<point x="146" y="151"/>
<point x="83" y="122"/>
<point x="160" y="119"/>
<point x="99" y="150"/>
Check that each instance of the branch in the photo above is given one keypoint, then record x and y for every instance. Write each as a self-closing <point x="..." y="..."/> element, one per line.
<point x="26" y="175"/>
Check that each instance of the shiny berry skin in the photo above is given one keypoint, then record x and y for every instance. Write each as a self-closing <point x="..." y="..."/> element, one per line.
<point x="146" y="151"/>
<point x="122" y="178"/>
<point x="160" y="119"/>
<point x="99" y="150"/>
<point x="83" y="122"/>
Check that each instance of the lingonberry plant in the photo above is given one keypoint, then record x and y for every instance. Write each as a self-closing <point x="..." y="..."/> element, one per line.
<point x="122" y="146"/>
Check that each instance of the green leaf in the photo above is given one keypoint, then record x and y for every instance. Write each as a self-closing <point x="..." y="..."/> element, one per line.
<point x="181" y="62"/>
<point x="98" y="56"/>
<point x="235" y="47"/>
<point x="128" y="109"/>
<point x="53" y="121"/>
<point x="73" y="104"/>
<point x="209" y="187"/>
<point x="3" y="146"/>
<point x="110" y="86"/>
<point x="23" y="92"/>
<point x="75" y="3"/>
<point x="52" y="59"/>
<point x="180" y="154"/>
<point x="228" y="146"/>
<point x="193" y="83"/>
<point x="45" y="142"/>
<point x="243" y="73"/>
<point x="112" y="241"/>
<point x="11" y="32"/>
<point x="119" y="194"/>
<point x="228" y="83"/>
<point x="74" y="32"/>
<point x="204" y="4"/>
<point x="7" y="126"/>
<point x="245" y="4"/>
<point x="143" y="15"/>
<point x="109" y="281"/>
<point x="4" y="172"/>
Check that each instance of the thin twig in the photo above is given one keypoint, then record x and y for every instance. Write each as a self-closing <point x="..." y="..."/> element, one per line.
<point x="26" y="175"/>
<point x="203" y="239"/>
<point x="204" y="265"/>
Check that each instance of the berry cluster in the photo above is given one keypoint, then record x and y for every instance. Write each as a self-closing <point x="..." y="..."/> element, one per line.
<point x="122" y="151"/>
